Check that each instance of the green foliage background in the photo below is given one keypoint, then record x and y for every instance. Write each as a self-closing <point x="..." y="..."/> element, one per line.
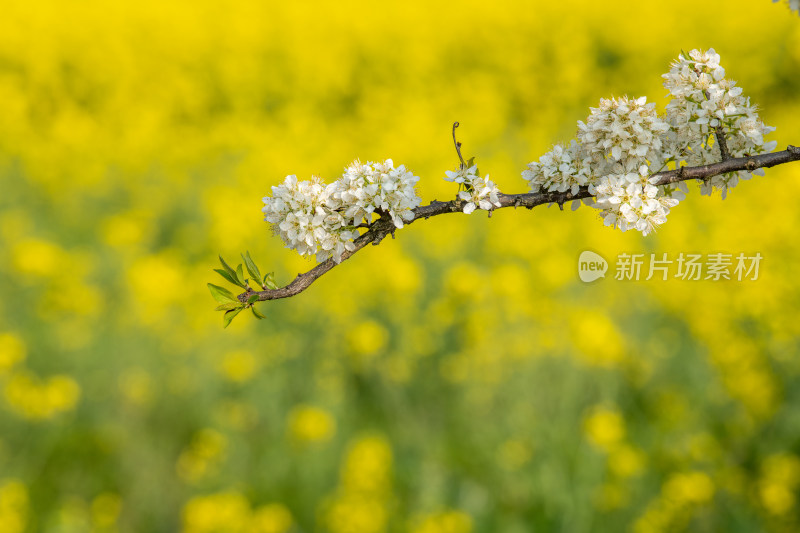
<point x="457" y="379"/>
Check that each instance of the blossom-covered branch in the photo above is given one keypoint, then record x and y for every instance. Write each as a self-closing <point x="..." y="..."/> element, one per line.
<point x="628" y="161"/>
<point x="383" y="227"/>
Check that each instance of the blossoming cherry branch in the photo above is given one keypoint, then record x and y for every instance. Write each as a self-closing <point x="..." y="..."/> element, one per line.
<point x="628" y="161"/>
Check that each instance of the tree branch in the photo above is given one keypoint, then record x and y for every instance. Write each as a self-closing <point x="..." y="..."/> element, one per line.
<point x="383" y="227"/>
<point x="719" y="134"/>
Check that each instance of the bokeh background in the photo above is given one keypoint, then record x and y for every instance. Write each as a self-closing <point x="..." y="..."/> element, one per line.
<point x="457" y="379"/>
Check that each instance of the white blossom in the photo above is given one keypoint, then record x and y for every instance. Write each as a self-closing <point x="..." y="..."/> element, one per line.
<point x="630" y="201"/>
<point x="625" y="141"/>
<point x="623" y="130"/>
<point x="374" y="187"/>
<point x="479" y="192"/>
<point x="703" y="100"/>
<point x="622" y="144"/>
<point x="299" y="213"/>
<point x="559" y="170"/>
<point x="318" y="219"/>
<point x="794" y="5"/>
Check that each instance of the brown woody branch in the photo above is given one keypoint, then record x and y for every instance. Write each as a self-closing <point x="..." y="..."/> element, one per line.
<point x="719" y="134"/>
<point x="383" y="227"/>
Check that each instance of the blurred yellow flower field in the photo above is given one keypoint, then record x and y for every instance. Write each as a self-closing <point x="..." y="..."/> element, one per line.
<point x="457" y="379"/>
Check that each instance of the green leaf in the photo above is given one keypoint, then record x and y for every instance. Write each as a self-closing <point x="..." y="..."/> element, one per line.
<point x="229" y="316"/>
<point x="221" y="294"/>
<point x="225" y="274"/>
<point x="256" y="313"/>
<point x="228" y="306"/>
<point x="227" y="267"/>
<point x="240" y="274"/>
<point x="253" y="298"/>
<point x="251" y="267"/>
<point x="269" y="281"/>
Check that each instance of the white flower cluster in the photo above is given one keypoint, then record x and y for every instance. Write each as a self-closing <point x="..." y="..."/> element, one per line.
<point x="300" y="213"/>
<point x="630" y="201"/>
<point x="559" y="170"/>
<point x="624" y="141"/>
<point x="367" y="188"/>
<point x="623" y="130"/>
<point x="702" y="100"/>
<point x="615" y="149"/>
<point x="478" y="192"/>
<point x="620" y="146"/>
<point x="314" y="218"/>
<point x="794" y="5"/>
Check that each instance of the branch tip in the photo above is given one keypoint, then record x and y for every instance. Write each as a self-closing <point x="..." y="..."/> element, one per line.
<point x="458" y="146"/>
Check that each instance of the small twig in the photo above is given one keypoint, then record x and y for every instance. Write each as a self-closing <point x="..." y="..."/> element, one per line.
<point x="719" y="131"/>
<point x="719" y="135"/>
<point x="384" y="226"/>
<point x="458" y="146"/>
